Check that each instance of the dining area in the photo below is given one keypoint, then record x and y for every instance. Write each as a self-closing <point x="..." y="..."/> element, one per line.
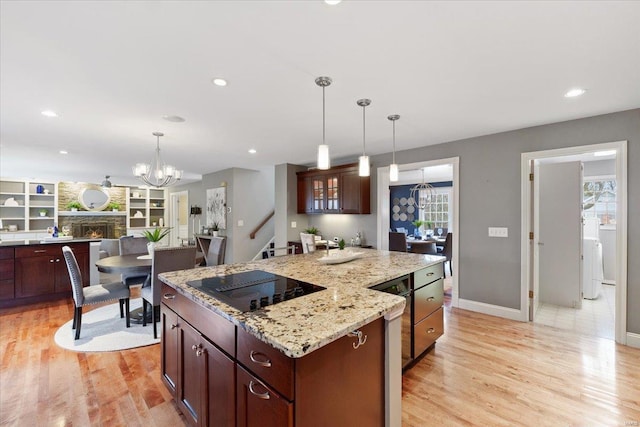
<point x="429" y="244"/>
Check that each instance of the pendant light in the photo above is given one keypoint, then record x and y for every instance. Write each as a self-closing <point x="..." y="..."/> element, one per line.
<point x="324" y="161"/>
<point x="157" y="173"/>
<point x="106" y="183"/>
<point x="363" y="164"/>
<point x="393" y="167"/>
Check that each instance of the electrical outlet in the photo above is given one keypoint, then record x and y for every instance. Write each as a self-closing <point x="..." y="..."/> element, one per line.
<point x="294" y="224"/>
<point x="336" y="239"/>
<point x="498" y="232"/>
<point x="240" y="223"/>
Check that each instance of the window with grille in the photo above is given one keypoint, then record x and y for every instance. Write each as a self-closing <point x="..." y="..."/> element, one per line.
<point x="599" y="199"/>
<point x="438" y="211"/>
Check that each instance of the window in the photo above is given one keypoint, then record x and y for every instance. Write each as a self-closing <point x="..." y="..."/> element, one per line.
<point x="599" y="199"/>
<point x="439" y="210"/>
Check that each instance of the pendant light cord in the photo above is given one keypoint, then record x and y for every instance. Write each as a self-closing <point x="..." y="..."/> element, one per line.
<point x="323" y="124"/>
<point x="394" y="141"/>
<point x="364" y="151"/>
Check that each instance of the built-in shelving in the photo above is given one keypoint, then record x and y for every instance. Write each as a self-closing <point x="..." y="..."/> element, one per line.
<point x="149" y="206"/>
<point x="30" y="198"/>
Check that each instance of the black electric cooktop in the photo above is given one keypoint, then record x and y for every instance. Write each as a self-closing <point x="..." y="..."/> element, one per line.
<point x="253" y="290"/>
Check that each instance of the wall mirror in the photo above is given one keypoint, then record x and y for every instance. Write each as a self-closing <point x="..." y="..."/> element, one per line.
<point x="94" y="198"/>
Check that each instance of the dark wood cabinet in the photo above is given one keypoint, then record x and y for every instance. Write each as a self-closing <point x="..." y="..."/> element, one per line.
<point x="40" y="272"/>
<point x="339" y="190"/>
<point x="221" y="375"/>
<point x="7" y="276"/>
<point x="427" y="316"/>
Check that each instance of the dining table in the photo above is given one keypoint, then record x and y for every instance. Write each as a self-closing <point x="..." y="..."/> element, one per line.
<point x="131" y="264"/>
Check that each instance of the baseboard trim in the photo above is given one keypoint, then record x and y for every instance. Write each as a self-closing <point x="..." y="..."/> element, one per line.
<point x="492" y="310"/>
<point x="633" y="340"/>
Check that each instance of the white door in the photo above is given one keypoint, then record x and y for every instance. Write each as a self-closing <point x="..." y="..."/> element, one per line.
<point x="558" y="238"/>
<point x="179" y="217"/>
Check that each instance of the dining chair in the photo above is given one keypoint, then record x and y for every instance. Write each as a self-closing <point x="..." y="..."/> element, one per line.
<point x="308" y="242"/>
<point x="274" y="252"/>
<point x="447" y="250"/>
<point x="163" y="260"/>
<point x="428" y="248"/>
<point x="130" y="245"/>
<point x="397" y="241"/>
<point x="93" y="294"/>
<point x="216" y="252"/>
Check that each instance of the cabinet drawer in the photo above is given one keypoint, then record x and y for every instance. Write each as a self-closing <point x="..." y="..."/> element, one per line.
<point x="259" y="405"/>
<point x="268" y="363"/>
<point x="427" y="299"/>
<point x="6" y="269"/>
<point x="427" y="275"/>
<point x="427" y="332"/>
<point x="6" y="253"/>
<point x="48" y="249"/>
<point x="213" y="326"/>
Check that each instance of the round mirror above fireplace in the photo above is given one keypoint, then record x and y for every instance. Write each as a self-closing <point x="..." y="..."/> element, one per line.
<point x="94" y="198"/>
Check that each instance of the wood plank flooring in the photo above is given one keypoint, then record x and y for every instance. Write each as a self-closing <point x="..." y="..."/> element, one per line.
<point x="484" y="371"/>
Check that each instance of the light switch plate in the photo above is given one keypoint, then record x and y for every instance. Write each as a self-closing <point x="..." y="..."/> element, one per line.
<point x="240" y="223"/>
<point x="498" y="232"/>
<point x="294" y="224"/>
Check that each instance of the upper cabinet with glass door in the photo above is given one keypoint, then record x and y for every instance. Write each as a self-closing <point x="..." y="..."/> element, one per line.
<point x="339" y="190"/>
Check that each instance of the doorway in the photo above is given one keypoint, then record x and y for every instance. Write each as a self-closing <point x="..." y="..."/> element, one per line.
<point x="384" y="213"/>
<point x="600" y="302"/>
<point x="179" y="218"/>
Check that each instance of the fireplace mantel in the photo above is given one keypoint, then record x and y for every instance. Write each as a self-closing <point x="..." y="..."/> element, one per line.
<point x="92" y="213"/>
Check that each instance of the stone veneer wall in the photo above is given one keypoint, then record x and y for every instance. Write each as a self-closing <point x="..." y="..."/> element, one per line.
<point x="117" y="223"/>
<point x="69" y="191"/>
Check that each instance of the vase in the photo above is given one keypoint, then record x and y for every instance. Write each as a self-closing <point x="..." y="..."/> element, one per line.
<point x="214" y="233"/>
<point x="151" y="246"/>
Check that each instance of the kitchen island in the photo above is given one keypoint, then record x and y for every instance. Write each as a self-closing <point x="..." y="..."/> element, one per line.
<point x="309" y="338"/>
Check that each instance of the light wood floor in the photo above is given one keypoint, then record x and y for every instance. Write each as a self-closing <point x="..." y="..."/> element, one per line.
<point x="484" y="371"/>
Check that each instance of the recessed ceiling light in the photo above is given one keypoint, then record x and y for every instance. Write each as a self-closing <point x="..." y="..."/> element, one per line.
<point x="49" y="113"/>
<point x="252" y="150"/>
<point x="63" y="152"/>
<point x="219" y="81"/>
<point x="332" y="2"/>
<point x="604" y="153"/>
<point x="175" y="119"/>
<point x="575" y="92"/>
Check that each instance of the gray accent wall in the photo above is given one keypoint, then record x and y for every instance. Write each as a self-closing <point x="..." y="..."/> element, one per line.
<point x="489" y="268"/>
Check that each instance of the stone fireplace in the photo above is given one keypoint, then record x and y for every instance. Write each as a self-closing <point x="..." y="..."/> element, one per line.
<point x="90" y="225"/>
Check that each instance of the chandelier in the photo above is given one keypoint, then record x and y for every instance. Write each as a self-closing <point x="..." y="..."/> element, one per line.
<point x="422" y="195"/>
<point x="157" y="174"/>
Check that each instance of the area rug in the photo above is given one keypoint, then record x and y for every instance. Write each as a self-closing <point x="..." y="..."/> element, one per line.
<point x="104" y="330"/>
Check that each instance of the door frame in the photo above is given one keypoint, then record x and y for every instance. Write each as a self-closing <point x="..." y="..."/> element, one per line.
<point x="174" y="205"/>
<point x="526" y="248"/>
<point x="384" y="216"/>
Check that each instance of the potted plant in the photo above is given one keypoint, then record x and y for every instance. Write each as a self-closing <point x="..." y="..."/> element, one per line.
<point x="113" y="206"/>
<point x="154" y="237"/>
<point x="341" y="244"/>
<point x="43" y="212"/>
<point x="311" y="230"/>
<point x="74" y="206"/>
<point x="418" y="223"/>
<point x="215" y="228"/>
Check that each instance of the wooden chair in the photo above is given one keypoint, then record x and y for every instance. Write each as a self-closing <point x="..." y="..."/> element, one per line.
<point x="447" y="250"/>
<point x="397" y="241"/>
<point x="92" y="294"/>
<point x="308" y="242"/>
<point x="130" y="245"/>
<point x="164" y="259"/>
<point x="216" y="251"/>
<point x="428" y="248"/>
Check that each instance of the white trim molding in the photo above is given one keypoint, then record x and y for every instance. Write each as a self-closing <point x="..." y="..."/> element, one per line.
<point x="633" y="340"/>
<point x="490" y="309"/>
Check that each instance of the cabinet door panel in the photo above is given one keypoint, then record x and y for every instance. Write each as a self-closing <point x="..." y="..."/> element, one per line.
<point x="427" y="332"/>
<point x="169" y="349"/>
<point x="350" y="191"/>
<point x="260" y="406"/>
<point x="191" y="386"/>
<point x="221" y="387"/>
<point x="427" y="299"/>
<point x="33" y="276"/>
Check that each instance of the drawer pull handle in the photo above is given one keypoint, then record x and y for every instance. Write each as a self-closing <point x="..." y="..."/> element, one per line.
<point x="431" y="299"/>
<point x="266" y="363"/>
<point x="174" y="326"/>
<point x="168" y="296"/>
<point x="358" y="334"/>
<point x="431" y="273"/>
<point x="264" y="395"/>
<point x="50" y="260"/>
<point x="431" y="330"/>
<point x="40" y="251"/>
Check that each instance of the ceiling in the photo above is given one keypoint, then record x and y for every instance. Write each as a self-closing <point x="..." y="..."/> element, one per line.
<point x="452" y="70"/>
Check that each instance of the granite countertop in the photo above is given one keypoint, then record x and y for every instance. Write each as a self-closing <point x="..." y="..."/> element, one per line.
<point x="299" y="326"/>
<point x="33" y="242"/>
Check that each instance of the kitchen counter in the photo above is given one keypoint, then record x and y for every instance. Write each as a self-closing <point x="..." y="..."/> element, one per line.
<point x="302" y="325"/>
<point x="18" y="243"/>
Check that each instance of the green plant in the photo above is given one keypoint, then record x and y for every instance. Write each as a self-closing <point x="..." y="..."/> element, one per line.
<point x="74" y="205"/>
<point x="156" y="235"/>
<point x="418" y="223"/>
<point x="215" y="226"/>
<point x="429" y="225"/>
<point x="311" y="230"/>
<point x="113" y="205"/>
<point x="341" y="244"/>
